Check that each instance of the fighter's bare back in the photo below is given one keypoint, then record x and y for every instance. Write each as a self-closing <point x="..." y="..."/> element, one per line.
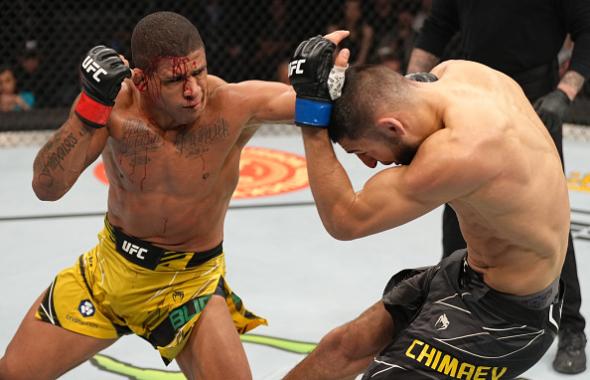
<point x="492" y="124"/>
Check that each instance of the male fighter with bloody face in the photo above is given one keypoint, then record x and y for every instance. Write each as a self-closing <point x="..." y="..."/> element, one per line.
<point x="170" y="139"/>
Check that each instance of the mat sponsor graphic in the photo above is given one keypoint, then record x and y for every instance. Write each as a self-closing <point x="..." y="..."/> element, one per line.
<point x="578" y="181"/>
<point x="263" y="172"/>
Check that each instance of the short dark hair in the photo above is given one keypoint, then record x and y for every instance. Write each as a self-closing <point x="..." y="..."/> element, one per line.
<point x="163" y="34"/>
<point x="367" y="88"/>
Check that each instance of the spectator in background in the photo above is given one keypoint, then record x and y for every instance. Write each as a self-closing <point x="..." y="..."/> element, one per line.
<point x="382" y="17"/>
<point x="273" y="40"/>
<point x="422" y="14"/>
<point x="400" y="39"/>
<point x="360" y="40"/>
<point x="522" y="39"/>
<point x="228" y="52"/>
<point x="211" y="17"/>
<point x="390" y="59"/>
<point x="28" y="72"/>
<point x="10" y="99"/>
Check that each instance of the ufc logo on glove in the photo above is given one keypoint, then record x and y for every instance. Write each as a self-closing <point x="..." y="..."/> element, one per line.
<point x="89" y="65"/>
<point x="296" y="67"/>
<point x="316" y="81"/>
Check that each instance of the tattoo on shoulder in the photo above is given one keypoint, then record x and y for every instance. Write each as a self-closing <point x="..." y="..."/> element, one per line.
<point x="196" y="142"/>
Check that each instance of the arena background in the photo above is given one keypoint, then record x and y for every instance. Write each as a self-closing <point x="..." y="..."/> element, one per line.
<point x="44" y="42"/>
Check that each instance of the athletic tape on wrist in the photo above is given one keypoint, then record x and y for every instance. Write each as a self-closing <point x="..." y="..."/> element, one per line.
<point x="312" y="112"/>
<point x="92" y="112"/>
<point x="336" y="81"/>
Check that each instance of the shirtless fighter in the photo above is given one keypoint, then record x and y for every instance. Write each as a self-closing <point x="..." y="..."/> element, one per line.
<point x="463" y="134"/>
<point x="171" y="140"/>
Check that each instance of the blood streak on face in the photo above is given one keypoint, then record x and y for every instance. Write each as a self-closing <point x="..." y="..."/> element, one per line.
<point x="180" y="68"/>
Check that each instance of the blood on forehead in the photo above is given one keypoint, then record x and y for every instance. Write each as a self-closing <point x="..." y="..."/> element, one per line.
<point x="179" y="66"/>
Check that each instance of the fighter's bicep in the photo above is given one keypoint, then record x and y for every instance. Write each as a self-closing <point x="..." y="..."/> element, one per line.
<point x="387" y="201"/>
<point x="269" y="101"/>
<point x="445" y="169"/>
<point x="97" y="145"/>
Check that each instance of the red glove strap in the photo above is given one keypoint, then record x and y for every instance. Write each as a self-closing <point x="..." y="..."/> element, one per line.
<point x="89" y="110"/>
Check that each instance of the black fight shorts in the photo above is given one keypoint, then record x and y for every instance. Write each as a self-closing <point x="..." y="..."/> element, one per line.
<point x="450" y="325"/>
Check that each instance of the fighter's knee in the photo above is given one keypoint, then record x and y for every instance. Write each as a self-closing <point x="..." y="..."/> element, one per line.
<point x="12" y="370"/>
<point x="4" y="374"/>
<point x="17" y="368"/>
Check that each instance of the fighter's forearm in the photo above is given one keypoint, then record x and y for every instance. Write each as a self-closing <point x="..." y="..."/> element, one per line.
<point x="330" y="185"/>
<point x="571" y="83"/>
<point x="61" y="160"/>
<point x="285" y="106"/>
<point x="421" y="61"/>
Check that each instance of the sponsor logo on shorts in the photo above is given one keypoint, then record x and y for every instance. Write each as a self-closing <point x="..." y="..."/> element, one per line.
<point x="178" y="295"/>
<point x="181" y="315"/>
<point x="263" y="172"/>
<point x="442" y="322"/>
<point x="449" y="365"/>
<point x="73" y="318"/>
<point x="86" y="308"/>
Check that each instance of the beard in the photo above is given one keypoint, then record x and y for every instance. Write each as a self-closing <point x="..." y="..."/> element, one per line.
<point x="405" y="153"/>
<point x="402" y="152"/>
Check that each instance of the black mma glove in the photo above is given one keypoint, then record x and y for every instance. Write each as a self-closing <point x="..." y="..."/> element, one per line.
<point x="552" y="107"/>
<point x="101" y="75"/>
<point x="309" y="70"/>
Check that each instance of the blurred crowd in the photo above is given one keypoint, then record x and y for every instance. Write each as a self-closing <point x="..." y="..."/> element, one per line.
<point x="245" y="40"/>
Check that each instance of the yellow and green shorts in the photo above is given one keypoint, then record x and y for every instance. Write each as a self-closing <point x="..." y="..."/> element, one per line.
<point x="125" y="285"/>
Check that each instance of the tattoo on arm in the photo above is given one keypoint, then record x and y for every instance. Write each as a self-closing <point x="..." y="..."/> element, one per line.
<point x="56" y="150"/>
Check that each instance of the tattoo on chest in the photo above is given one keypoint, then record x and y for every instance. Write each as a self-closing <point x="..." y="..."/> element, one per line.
<point x="197" y="142"/>
<point x="138" y="140"/>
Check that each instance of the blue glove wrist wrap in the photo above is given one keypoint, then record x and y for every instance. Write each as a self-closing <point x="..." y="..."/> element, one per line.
<point x="313" y="113"/>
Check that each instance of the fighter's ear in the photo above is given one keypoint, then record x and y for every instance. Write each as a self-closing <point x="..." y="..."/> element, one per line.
<point x="391" y="125"/>
<point x="139" y="78"/>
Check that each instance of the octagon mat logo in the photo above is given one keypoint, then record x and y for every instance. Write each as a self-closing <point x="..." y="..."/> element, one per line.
<point x="263" y="172"/>
<point x="579" y="181"/>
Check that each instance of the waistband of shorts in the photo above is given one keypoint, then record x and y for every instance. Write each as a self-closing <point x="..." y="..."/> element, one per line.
<point x="149" y="256"/>
<point x="537" y="301"/>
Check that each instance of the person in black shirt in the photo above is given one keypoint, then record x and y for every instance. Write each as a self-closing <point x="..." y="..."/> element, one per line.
<point x="521" y="39"/>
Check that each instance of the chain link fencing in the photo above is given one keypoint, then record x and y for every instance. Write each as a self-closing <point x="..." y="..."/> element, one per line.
<point x="43" y="42"/>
